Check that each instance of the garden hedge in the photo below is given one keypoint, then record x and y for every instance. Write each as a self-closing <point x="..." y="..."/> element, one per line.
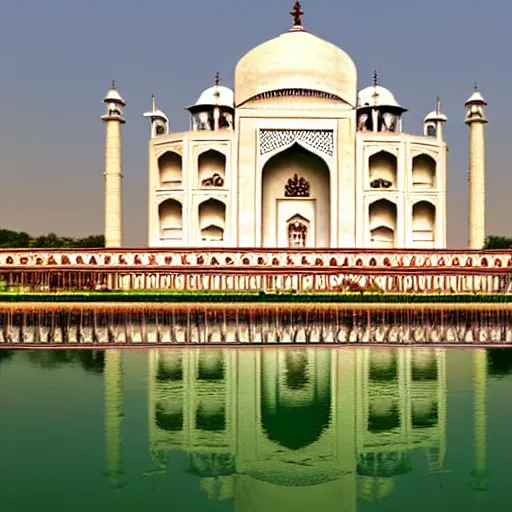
<point x="254" y="297"/>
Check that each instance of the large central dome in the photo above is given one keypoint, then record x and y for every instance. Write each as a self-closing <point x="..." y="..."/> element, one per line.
<point x="296" y="60"/>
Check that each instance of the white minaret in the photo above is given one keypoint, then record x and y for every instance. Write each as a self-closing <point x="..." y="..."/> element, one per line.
<point x="159" y="121"/>
<point x="475" y="119"/>
<point x="433" y="124"/>
<point x="113" y="168"/>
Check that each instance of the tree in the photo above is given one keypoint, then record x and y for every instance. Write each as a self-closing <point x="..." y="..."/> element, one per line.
<point x="14" y="239"/>
<point x="497" y="242"/>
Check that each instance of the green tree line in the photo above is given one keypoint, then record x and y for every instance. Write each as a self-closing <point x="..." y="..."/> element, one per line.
<point x="16" y="239"/>
<point x="20" y="239"/>
<point x="498" y="242"/>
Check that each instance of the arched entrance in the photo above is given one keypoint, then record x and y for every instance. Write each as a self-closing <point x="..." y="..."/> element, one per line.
<point x="296" y="200"/>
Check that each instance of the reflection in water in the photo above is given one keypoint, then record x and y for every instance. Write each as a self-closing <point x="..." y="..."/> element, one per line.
<point x="293" y="429"/>
<point x="274" y="427"/>
<point x="499" y="361"/>
<point x="90" y="360"/>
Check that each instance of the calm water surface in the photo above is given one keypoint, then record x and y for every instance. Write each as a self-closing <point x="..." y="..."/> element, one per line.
<point x="314" y="429"/>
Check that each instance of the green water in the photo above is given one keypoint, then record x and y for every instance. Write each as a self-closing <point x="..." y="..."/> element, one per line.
<point x="256" y="430"/>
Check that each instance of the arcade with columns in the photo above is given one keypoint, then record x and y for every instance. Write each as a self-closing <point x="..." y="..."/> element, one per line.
<point x="296" y="157"/>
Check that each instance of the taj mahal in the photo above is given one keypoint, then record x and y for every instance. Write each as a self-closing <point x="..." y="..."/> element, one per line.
<point x="296" y="156"/>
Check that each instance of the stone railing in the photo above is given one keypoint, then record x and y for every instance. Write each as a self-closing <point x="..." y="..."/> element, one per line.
<point x="253" y="259"/>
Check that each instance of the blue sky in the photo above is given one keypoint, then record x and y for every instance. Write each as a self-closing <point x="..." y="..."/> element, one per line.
<point x="57" y="60"/>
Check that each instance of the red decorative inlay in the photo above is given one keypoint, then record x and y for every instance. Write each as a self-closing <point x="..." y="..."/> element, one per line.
<point x="261" y="260"/>
<point x="65" y="260"/>
<point x="319" y="262"/>
<point x="246" y="261"/>
<point x="275" y="261"/>
<point x="484" y="262"/>
<point x="359" y="262"/>
<point x="373" y="262"/>
<point x="80" y="260"/>
<point x="137" y="260"/>
<point x="168" y="260"/>
<point x="51" y="260"/>
<point x="9" y="260"/>
<point x="333" y="262"/>
<point x="214" y="261"/>
<point x="455" y="262"/>
<point x="200" y="260"/>
<point x="387" y="263"/>
<point x="93" y="261"/>
<point x="23" y="260"/>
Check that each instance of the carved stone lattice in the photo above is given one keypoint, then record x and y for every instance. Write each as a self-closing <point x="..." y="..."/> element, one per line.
<point x="321" y="140"/>
<point x="296" y="187"/>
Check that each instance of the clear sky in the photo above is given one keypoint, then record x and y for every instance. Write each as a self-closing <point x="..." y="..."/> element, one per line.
<point x="58" y="58"/>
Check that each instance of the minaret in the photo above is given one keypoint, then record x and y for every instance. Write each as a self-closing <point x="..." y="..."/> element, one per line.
<point x="433" y="124"/>
<point x="479" y="473"/>
<point x="112" y="388"/>
<point x="113" y="168"/>
<point x="159" y="121"/>
<point x="475" y="119"/>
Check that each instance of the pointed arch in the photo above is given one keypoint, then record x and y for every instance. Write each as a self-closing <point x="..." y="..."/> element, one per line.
<point x="211" y="165"/>
<point x="423" y="171"/>
<point x="278" y="204"/>
<point x="382" y="169"/>
<point x="423" y="224"/>
<point x="382" y="223"/>
<point x="296" y="397"/>
<point x="170" y="215"/>
<point x="170" y="170"/>
<point x="212" y="220"/>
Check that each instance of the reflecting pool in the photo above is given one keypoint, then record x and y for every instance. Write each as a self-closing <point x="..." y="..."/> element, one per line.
<point x="248" y="429"/>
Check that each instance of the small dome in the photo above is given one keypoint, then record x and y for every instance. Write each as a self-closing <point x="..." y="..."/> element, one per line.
<point x="216" y="95"/>
<point x="376" y="96"/>
<point x="476" y="98"/>
<point x="435" y="116"/>
<point x="296" y="60"/>
<point x="113" y="96"/>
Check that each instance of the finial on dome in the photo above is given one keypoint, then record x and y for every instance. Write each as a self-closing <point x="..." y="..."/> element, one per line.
<point x="153" y="103"/>
<point x="375" y="77"/>
<point x="297" y="14"/>
<point x="475" y="88"/>
<point x="217" y="78"/>
<point x="438" y="106"/>
<point x="113" y="84"/>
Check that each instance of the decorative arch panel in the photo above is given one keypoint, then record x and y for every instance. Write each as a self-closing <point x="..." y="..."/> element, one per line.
<point x="322" y="141"/>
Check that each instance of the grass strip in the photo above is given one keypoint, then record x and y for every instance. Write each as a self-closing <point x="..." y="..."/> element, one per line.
<point x="254" y="297"/>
